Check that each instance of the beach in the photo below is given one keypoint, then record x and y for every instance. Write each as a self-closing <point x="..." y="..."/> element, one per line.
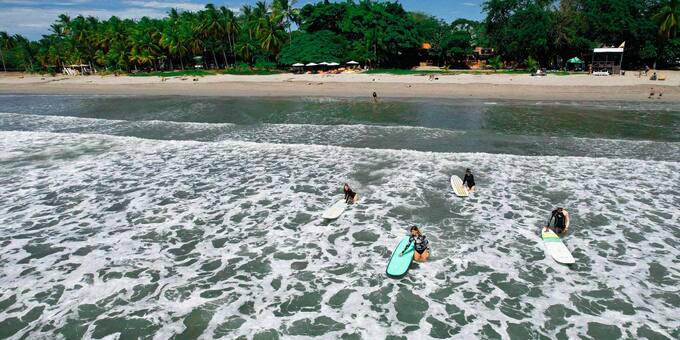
<point x="630" y="87"/>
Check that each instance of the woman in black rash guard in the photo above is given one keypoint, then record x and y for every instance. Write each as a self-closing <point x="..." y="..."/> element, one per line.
<point x="469" y="180"/>
<point x="420" y="243"/>
<point x="561" y="218"/>
<point x="349" y="194"/>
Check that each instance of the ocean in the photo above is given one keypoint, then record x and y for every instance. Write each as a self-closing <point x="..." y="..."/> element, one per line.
<point x="125" y="217"/>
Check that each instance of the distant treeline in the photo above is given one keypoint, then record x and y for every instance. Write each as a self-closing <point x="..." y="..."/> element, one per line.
<point x="379" y="34"/>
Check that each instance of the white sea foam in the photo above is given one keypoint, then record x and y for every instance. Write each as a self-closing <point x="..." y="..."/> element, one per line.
<point x="137" y="202"/>
<point x="358" y="135"/>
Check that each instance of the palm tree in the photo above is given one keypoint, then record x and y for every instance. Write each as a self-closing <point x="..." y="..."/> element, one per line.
<point x="64" y="21"/>
<point x="246" y="47"/>
<point x="210" y="27"/>
<point x="246" y="50"/>
<point x="56" y="39"/>
<point x="668" y="18"/>
<point x="144" y="42"/>
<point x="80" y="30"/>
<point x="271" y="33"/>
<point x="190" y="33"/>
<point x="230" y="28"/>
<point x="24" y="47"/>
<point x="289" y="14"/>
<point x="5" y="41"/>
<point x="171" y="40"/>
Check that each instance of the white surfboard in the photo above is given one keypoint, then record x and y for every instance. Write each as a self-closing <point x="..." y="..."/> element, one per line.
<point x="458" y="188"/>
<point x="335" y="210"/>
<point x="554" y="246"/>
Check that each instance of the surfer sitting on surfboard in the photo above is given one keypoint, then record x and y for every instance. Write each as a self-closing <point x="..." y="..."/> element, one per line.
<point x="349" y="194"/>
<point x="470" y="180"/>
<point x="420" y="244"/>
<point x="561" y="217"/>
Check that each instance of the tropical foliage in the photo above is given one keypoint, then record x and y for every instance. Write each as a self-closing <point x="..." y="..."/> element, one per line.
<point x="375" y="33"/>
<point x="545" y="29"/>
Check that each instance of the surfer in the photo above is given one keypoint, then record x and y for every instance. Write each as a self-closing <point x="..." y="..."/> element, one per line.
<point x="420" y="243"/>
<point x="349" y="194"/>
<point x="470" y="180"/>
<point x="561" y="217"/>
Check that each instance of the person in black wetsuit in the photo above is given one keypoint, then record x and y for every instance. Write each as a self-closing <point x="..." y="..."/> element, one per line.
<point x="349" y="194"/>
<point x="469" y="180"/>
<point x="561" y="218"/>
<point x="420" y="243"/>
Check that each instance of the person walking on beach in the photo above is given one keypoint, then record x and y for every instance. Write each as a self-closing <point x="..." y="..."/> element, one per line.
<point x="420" y="243"/>
<point x="561" y="217"/>
<point x="660" y="93"/>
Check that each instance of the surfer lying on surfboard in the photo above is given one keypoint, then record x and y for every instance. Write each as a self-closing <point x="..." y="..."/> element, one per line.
<point x="350" y="196"/>
<point x="469" y="180"/>
<point x="420" y="243"/>
<point x="561" y="217"/>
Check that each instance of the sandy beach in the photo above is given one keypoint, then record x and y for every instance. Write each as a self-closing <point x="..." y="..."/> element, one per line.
<point x="630" y="87"/>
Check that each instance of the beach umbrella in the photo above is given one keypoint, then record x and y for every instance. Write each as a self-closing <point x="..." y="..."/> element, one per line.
<point x="333" y="64"/>
<point x="323" y="63"/>
<point x="352" y="63"/>
<point x="298" y="65"/>
<point x="312" y="64"/>
<point x="575" y="60"/>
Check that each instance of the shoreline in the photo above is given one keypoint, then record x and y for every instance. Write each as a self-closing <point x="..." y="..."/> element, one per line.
<point x="493" y="86"/>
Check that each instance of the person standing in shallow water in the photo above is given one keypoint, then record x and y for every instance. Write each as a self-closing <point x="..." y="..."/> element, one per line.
<point x="420" y="243"/>
<point x="375" y="97"/>
<point x="561" y="218"/>
<point x="469" y="180"/>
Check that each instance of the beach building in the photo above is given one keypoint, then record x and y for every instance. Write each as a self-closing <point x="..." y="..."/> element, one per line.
<point x="424" y="58"/>
<point x="607" y="59"/>
<point x="479" y="57"/>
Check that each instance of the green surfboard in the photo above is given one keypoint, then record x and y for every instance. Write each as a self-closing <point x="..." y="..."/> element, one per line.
<point x="399" y="264"/>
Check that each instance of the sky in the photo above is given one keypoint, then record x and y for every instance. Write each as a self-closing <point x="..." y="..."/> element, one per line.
<point x="32" y="18"/>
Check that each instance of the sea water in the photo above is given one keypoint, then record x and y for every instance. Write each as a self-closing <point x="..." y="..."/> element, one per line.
<point x="187" y="217"/>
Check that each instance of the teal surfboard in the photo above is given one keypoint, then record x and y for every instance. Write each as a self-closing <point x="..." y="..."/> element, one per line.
<point x="398" y="265"/>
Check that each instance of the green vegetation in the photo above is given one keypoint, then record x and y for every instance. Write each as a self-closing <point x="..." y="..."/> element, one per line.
<point x="399" y="71"/>
<point x="380" y="34"/>
<point x="531" y="64"/>
<point x="545" y="30"/>
<point x="251" y="72"/>
<point x="171" y="74"/>
<point x="495" y="63"/>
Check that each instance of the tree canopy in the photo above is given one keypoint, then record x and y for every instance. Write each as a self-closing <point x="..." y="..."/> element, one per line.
<point x="544" y="30"/>
<point x="376" y="33"/>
